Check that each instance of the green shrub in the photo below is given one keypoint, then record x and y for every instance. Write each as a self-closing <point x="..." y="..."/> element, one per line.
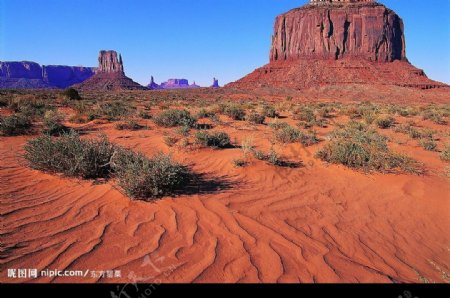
<point x="149" y="178"/>
<point x="71" y="94"/>
<point x="276" y="124"/>
<point x="128" y="125"/>
<point x="172" y="118"/>
<point x="215" y="139"/>
<point x="385" y="122"/>
<point x="53" y="123"/>
<point x="70" y="155"/>
<point x="112" y="110"/>
<point x="309" y="138"/>
<point x="357" y="146"/>
<point x="183" y="130"/>
<point x="234" y="112"/>
<point x="287" y="134"/>
<point x="255" y="118"/>
<point x="269" y="111"/>
<point x="145" y="115"/>
<point x="16" y="124"/>
<point x="30" y="107"/>
<point x="305" y="114"/>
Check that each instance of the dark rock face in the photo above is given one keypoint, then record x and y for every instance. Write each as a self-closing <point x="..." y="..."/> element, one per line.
<point x="30" y="75"/>
<point x="110" y="75"/>
<point x="65" y="76"/>
<point x="365" y="30"/>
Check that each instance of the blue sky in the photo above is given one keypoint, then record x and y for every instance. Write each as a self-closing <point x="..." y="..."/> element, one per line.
<point x="193" y="39"/>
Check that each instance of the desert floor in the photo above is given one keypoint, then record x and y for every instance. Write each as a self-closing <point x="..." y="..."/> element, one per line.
<point x="314" y="223"/>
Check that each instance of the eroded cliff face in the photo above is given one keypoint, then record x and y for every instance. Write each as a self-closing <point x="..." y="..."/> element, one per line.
<point x="367" y="31"/>
<point x="31" y="75"/>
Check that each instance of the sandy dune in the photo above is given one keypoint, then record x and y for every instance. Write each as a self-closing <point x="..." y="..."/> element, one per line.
<point x="315" y="223"/>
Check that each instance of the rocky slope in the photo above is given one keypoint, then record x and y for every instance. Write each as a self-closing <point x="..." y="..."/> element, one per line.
<point x="31" y="75"/>
<point x="359" y="42"/>
<point x="110" y="75"/>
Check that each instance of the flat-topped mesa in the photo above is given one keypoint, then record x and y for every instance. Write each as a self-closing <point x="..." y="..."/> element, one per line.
<point x="110" y="62"/>
<point x="339" y="29"/>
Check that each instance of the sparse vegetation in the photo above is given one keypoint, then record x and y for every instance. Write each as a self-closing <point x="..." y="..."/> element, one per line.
<point x="234" y="111"/>
<point x="287" y="134"/>
<point x="149" y="178"/>
<point x="214" y="139"/>
<point x="357" y="146"/>
<point x="71" y="94"/>
<point x="385" y="122"/>
<point x="428" y="144"/>
<point x="269" y="111"/>
<point x="70" y="155"/>
<point x="173" y="118"/>
<point x="239" y="163"/>
<point x="53" y="123"/>
<point x="445" y="155"/>
<point x="256" y="118"/>
<point x="17" y="124"/>
<point x="129" y="125"/>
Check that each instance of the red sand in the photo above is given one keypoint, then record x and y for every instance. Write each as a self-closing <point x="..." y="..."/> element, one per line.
<point x="317" y="223"/>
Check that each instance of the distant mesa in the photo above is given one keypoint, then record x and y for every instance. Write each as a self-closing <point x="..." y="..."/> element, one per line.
<point x="336" y="42"/>
<point x="31" y="75"/>
<point x="110" y="75"/>
<point x="172" y="84"/>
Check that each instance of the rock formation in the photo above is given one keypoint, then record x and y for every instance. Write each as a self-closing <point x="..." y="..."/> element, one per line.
<point x="337" y="42"/>
<point x="153" y="85"/>
<point x="178" y="84"/>
<point x="31" y="75"/>
<point x="110" y="75"/>
<point x="215" y="83"/>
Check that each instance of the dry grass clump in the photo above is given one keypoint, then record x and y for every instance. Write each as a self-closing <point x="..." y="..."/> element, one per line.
<point x="360" y="147"/>
<point x="173" y="118"/>
<point x="16" y="124"/>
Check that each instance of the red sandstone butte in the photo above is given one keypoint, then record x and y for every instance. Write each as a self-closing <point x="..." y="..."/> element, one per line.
<point x="337" y="42"/>
<point x="110" y="75"/>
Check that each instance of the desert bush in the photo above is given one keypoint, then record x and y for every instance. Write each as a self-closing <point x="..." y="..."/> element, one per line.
<point x="78" y="118"/>
<point x="274" y="159"/>
<point x="247" y="145"/>
<point x="204" y="113"/>
<point x="16" y="124"/>
<point x="269" y="111"/>
<point x="183" y="130"/>
<point x="287" y="134"/>
<point x="304" y="114"/>
<point x="435" y="115"/>
<point x="357" y="146"/>
<point x="256" y="118"/>
<point x="112" y="110"/>
<point x="215" y="139"/>
<point x="234" y="111"/>
<point x="309" y="138"/>
<point x="385" y="122"/>
<point x="71" y="94"/>
<point x="428" y="144"/>
<point x="149" y="178"/>
<point x="259" y="155"/>
<point x="53" y="123"/>
<point x="70" y="155"/>
<point x="173" y="118"/>
<point x="445" y="155"/>
<point x="276" y="124"/>
<point x="30" y="107"/>
<point x="128" y="125"/>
